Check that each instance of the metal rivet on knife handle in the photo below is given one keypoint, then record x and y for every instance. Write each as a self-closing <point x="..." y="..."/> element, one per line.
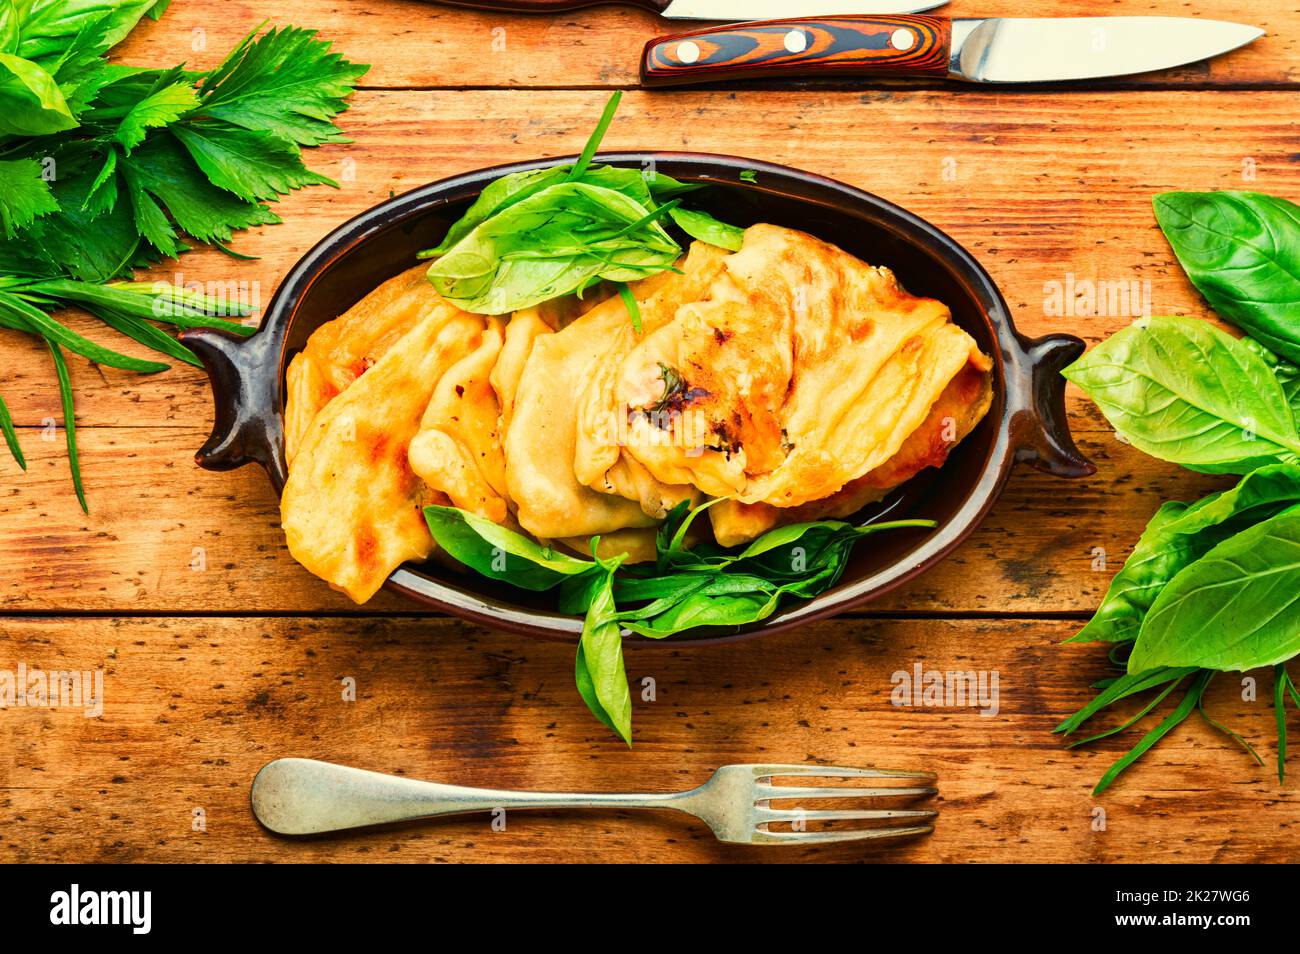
<point x="908" y="45"/>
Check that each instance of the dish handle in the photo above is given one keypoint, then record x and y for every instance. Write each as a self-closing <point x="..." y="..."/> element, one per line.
<point x="1039" y="428"/>
<point x="248" y="426"/>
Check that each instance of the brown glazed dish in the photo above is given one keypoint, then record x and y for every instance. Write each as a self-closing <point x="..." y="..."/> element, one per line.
<point x="1026" y="422"/>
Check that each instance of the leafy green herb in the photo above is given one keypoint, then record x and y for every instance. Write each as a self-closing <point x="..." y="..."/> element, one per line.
<point x="1186" y="392"/>
<point x="1242" y="252"/>
<point x="1281" y="683"/>
<point x="685" y="590"/>
<point x="499" y="553"/>
<point x="702" y="226"/>
<point x="631" y="304"/>
<point x="1236" y="608"/>
<point x="105" y="169"/>
<point x="749" y="175"/>
<point x="553" y="244"/>
<point x="602" y="678"/>
<point x="1210" y="586"/>
<point x="542" y="234"/>
<point x="1189" y="704"/>
<point x="1180" y="534"/>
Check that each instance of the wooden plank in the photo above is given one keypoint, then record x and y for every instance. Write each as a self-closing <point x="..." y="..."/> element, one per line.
<point x="164" y="536"/>
<point x="413" y="43"/>
<point x="193" y="707"/>
<point x="1039" y="201"/>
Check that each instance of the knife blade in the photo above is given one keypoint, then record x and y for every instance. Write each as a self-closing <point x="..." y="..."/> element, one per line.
<point x="729" y="10"/>
<point x="1001" y="50"/>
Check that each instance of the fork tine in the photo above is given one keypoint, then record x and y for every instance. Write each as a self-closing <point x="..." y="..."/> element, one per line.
<point x="827" y="814"/>
<point x="767" y="792"/>
<point x="839" y="771"/>
<point x="815" y="837"/>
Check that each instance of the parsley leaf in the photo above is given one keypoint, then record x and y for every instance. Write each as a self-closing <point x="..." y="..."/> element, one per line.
<point x="24" y="195"/>
<point x="109" y="168"/>
<point x="286" y="82"/>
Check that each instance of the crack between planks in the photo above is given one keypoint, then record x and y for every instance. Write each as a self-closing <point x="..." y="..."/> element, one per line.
<point x="884" y="615"/>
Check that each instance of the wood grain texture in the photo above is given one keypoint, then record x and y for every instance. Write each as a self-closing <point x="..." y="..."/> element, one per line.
<point x="1052" y="196"/>
<point x="164" y="536"/>
<point x="193" y="707"/>
<point x="411" y="43"/>
<point x="220" y="653"/>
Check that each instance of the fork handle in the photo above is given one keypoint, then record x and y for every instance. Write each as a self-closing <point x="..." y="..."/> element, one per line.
<point x="307" y="797"/>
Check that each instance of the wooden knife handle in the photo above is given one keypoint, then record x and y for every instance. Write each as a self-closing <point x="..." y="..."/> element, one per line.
<point x="553" y="6"/>
<point x="813" y="46"/>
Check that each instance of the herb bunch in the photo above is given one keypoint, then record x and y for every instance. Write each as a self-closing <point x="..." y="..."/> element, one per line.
<point x="107" y="168"/>
<point x="687" y="587"/>
<point x="534" y="236"/>
<point x="1211" y="586"/>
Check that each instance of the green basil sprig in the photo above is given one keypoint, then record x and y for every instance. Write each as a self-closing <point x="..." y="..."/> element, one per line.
<point x="1242" y="252"/>
<point x="1178" y="535"/>
<point x="535" y="236"/>
<point x="1210" y="586"/>
<point x="1186" y="392"/>
<point x="1236" y="608"/>
<point x="687" y="588"/>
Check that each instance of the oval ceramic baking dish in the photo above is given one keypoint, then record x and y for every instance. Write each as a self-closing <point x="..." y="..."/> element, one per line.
<point x="1026" y="422"/>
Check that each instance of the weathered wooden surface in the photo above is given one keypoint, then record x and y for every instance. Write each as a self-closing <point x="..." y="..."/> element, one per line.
<point x="216" y="659"/>
<point x="193" y="707"/>
<point x="412" y="43"/>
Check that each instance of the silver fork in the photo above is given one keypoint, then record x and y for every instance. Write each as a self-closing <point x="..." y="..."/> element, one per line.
<point x="306" y="797"/>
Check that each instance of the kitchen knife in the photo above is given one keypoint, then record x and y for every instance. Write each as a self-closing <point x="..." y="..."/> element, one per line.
<point x="1016" y="50"/>
<point x="714" y="9"/>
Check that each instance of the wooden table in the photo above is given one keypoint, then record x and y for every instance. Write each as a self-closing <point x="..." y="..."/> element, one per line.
<point x="220" y="653"/>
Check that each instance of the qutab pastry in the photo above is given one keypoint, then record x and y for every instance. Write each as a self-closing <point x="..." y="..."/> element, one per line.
<point x="789" y="378"/>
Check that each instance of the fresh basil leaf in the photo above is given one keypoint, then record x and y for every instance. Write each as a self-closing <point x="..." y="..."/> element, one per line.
<point x="1236" y="608"/>
<point x="552" y="244"/>
<point x="1242" y="252"/>
<point x="498" y="195"/>
<point x="1178" y="535"/>
<point x="10" y="32"/>
<point x="602" y="659"/>
<point x="587" y="689"/>
<point x="702" y="226"/>
<point x="702" y="609"/>
<point x="647" y="188"/>
<point x="1186" y="392"/>
<point x="49" y="27"/>
<point x="500" y="553"/>
<point x="1287" y="374"/>
<point x="31" y="103"/>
